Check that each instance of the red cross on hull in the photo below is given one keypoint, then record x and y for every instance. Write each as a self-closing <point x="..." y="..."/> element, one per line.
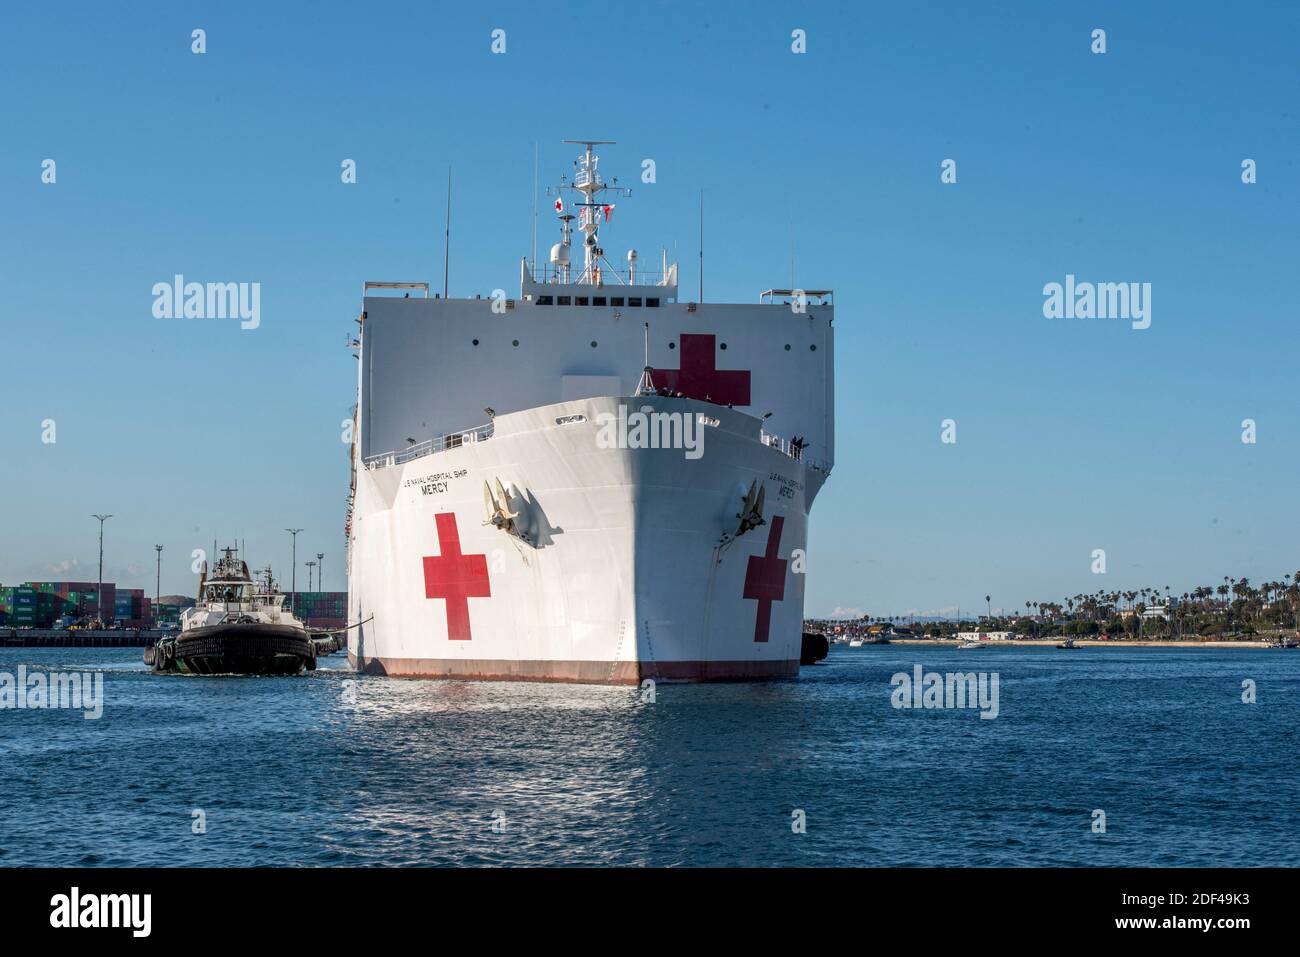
<point x="765" y="579"/>
<point x="700" y="378"/>
<point x="455" y="577"/>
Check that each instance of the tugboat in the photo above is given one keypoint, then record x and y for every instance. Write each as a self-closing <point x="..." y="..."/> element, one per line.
<point x="239" y="626"/>
<point x="814" y="648"/>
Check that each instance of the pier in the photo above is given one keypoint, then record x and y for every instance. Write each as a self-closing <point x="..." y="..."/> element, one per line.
<point x="80" y="638"/>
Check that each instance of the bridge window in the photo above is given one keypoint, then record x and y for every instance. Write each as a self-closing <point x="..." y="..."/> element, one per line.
<point x="634" y="301"/>
<point x="652" y="303"/>
<point x="598" y="300"/>
<point x="616" y="301"/>
<point x="580" y="301"/>
<point x="546" y="300"/>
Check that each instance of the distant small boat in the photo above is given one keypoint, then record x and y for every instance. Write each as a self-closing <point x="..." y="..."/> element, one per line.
<point x="971" y="644"/>
<point x="855" y="643"/>
<point x="1285" y="643"/>
<point x="1068" y="643"/>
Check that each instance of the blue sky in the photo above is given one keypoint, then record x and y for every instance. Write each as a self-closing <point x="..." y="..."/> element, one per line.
<point x="1072" y="434"/>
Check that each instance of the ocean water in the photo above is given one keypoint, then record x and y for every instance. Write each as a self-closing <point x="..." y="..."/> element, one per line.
<point x="337" y="769"/>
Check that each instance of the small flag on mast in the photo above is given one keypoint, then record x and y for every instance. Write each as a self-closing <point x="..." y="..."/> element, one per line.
<point x="559" y="205"/>
<point x="609" y="211"/>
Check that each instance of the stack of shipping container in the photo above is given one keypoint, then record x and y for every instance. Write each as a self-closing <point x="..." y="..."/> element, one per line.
<point x="26" y="607"/>
<point x="45" y="604"/>
<point x="21" y="606"/>
<point x="166" y="614"/>
<point x="132" y="609"/>
<point x="327" y="610"/>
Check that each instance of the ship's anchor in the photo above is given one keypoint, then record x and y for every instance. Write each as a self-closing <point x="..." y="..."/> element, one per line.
<point x="750" y="515"/>
<point x="498" y="509"/>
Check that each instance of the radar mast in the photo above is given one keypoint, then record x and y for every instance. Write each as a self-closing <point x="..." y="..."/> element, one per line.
<point x="590" y="187"/>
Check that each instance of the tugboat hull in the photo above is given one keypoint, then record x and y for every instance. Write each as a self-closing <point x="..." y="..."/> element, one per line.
<point x="245" y="649"/>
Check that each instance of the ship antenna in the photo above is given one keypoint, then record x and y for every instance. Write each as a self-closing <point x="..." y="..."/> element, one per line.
<point x="446" y="240"/>
<point x="792" y="285"/>
<point x="646" y="386"/>
<point x="701" y="245"/>
<point x="534" y="265"/>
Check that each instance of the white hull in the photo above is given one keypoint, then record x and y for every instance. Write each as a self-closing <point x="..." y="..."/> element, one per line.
<point x="623" y="577"/>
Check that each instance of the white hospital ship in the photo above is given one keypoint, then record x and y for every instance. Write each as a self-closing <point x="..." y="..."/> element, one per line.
<point x="596" y="481"/>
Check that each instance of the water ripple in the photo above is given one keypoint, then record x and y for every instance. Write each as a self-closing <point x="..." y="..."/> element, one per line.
<point x="338" y="769"/>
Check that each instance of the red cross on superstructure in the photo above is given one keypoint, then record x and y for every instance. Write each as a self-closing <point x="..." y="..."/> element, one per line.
<point x="765" y="579"/>
<point x="700" y="378"/>
<point x="454" y="577"/>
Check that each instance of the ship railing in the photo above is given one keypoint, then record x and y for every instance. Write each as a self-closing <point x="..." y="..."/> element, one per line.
<point x="803" y="297"/>
<point x="408" y="286"/>
<point x="799" y="454"/>
<point x="548" y="274"/>
<point x="452" y="440"/>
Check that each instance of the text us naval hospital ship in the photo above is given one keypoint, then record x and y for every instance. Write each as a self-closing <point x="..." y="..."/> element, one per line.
<point x="581" y="484"/>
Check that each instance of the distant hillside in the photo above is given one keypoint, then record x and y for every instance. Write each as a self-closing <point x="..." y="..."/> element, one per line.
<point x="184" y="601"/>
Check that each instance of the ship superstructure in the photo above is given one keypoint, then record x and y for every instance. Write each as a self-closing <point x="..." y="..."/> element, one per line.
<point x="595" y="481"/>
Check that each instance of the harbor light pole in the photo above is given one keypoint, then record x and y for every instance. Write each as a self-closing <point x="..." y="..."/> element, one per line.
<point x="320" y="571"/>
<point x="293" y="575"/>
<point x="310" y="566"/>
<point x="157" y="586"/>
<point x="99" y="595"/>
